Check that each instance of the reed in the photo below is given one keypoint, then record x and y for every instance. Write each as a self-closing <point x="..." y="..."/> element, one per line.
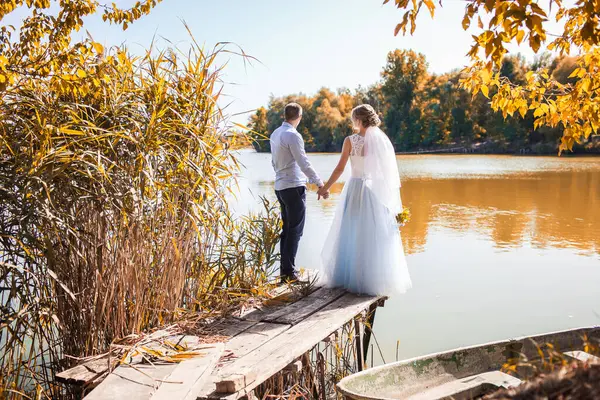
<point x="113" y="213"/>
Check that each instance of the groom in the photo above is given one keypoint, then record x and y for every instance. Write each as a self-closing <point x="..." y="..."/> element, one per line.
<point x="291" y="171"/>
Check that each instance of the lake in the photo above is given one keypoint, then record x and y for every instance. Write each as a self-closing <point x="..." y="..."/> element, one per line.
<point x="498" y="246"/>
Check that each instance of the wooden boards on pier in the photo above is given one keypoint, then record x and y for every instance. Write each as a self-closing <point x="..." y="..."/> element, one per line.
<point x="263" y="342"/>
<point x="246" y="373"/>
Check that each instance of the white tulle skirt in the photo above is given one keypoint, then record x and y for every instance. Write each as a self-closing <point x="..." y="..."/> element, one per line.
<point x="363" y="251"/>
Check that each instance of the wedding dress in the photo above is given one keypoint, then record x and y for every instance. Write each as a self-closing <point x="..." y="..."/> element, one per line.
<point x="363" y="251"/>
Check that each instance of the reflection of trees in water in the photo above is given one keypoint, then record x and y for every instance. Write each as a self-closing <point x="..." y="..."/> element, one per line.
<point x="557" y="210"/>
<point x="553" y="209"/>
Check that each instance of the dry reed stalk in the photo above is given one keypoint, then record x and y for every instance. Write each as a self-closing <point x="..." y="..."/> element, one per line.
<point x="113" y="212"/>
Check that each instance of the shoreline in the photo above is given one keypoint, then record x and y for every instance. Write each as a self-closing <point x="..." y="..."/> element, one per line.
<point x="472" y="152"/>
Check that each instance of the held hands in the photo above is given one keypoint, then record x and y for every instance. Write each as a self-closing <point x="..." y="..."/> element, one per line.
<point x="322" y="193"/>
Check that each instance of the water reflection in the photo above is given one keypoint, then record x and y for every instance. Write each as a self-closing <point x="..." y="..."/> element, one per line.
<point x="552" y="209"/>
<point x="497" y="247"/>
<point x="557" y="210"/>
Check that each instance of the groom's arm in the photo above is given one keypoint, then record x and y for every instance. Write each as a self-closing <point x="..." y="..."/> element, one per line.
<point x="297" y="148"/>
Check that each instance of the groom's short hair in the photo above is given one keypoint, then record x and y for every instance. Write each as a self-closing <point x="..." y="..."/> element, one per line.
<point x="292" y="111"/>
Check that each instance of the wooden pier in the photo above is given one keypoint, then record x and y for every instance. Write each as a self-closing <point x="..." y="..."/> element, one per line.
<point x="261" y="345"/>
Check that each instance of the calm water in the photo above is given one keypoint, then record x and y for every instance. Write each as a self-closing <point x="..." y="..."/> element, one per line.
<point x="498" y="246"/>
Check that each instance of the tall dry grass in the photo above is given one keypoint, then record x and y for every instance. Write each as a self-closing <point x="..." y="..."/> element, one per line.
<point x="113" y="209"/>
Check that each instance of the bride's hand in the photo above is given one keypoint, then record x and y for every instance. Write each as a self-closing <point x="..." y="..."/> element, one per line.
<point x="322" y="192"/>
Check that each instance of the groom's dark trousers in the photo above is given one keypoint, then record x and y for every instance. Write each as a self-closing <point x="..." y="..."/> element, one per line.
<point x="293" y="213"/>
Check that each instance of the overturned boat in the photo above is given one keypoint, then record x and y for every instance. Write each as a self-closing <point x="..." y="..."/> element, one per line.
<point x="471" y="372"/>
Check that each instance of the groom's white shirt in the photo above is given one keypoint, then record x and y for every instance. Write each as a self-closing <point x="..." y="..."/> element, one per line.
<point x="289" y="159"/>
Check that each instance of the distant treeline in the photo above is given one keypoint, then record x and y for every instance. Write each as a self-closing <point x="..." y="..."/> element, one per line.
<point x="423" y="112"/>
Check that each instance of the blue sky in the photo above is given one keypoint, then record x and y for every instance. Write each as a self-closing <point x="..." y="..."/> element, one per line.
<point x="302" y="45"/>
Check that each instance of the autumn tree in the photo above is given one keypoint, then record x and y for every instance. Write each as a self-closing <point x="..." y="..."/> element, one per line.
<point x="371" y="95"/>
<point x="403" y="77"/>
<point x="514" y="68"/>
<point x="573" y="106"/>
<point x="562" y="69"/>
<point x="259" y="129"/>
<point x="44" y="45"/>
<point x="332" y="118"/>
<point x="436" y="110"/>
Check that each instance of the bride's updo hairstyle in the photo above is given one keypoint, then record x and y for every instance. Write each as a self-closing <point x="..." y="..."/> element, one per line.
<point x="366" y="115"/>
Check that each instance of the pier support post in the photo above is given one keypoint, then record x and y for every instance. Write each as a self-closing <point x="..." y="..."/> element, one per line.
<point x="358" y="337"/>
<point x="368" y="331"/>
<point x="321" y="371"/>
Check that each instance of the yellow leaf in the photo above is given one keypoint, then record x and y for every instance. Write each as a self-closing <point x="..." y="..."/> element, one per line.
<point x="485" y="90"/>
<point x="466" y="22"/>
<point x="529" y="75"/>
<point x="485" y="75"/>
<point x="538" y="112"/>
<point x="585" y="85"/>
<point x="99" y="48"/>
<point x="574" y="73"/>
<point x="537" y="9"/>
<point x="81" y="73"/>
<point x="430" y="6"/>
<point x="71" y="132"/>
<point x="398" y="27"/>
<point x="535" y="42"/>
<point x="520" y="36"/>
<point x="523" y="111"/>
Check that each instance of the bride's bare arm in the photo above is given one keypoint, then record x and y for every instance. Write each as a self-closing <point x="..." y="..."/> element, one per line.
<point x="339" y="169"/>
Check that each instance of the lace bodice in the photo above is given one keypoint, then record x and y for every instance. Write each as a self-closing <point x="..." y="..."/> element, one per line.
<point x="358" y="143"/>
<point x="356" y="155"/>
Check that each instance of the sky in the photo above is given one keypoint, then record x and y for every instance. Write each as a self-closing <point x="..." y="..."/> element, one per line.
<point x="302" y="46"/>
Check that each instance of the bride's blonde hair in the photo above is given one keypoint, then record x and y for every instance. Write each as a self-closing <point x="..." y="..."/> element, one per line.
<point x="366" y="114"/>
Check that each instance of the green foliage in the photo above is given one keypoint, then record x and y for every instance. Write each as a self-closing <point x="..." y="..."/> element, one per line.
<point x="422" y="111"/>
<point x="403" y="77"/>
<point x="260" y="129"/>
<point x="325" y="121"/>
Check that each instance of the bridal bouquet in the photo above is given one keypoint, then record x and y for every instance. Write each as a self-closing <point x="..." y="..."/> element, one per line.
<point x="404" y="217"/>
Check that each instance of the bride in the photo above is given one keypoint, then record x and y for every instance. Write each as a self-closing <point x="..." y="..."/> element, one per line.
<point x="363" y="252"/>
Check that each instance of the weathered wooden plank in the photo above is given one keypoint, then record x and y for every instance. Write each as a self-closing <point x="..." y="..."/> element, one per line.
<point x="187" y="374"/>
<point x="90" y="371"/>
<point x="281" y="297"/>
<point x="231" y="327"/>
<point x="277" y="353"/>
<point x="305" y="307"/>
<point x="254" y="337"/>
<point x="231" y="383"/>
<point x="258" y="314"/>
<point x="130" y="383"/>
<point x="278" y="295"/>
<point x="86" y="373"/>
<point x="239" y="346"/>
